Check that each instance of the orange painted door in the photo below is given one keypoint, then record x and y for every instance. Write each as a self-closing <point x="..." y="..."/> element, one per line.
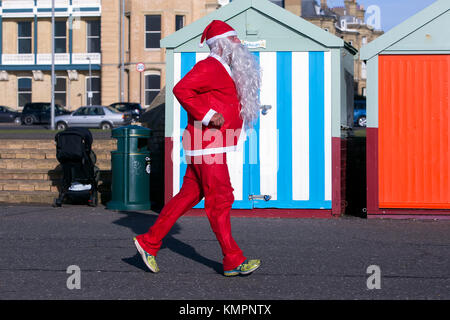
<point x="414" y="129"/>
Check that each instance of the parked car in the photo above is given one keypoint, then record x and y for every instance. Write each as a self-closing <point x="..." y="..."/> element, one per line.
<point x="93" y="117"/>
<point x="359" y="113"/>
<point x="9" y="115"/>
<point x="40" y="113"/>
<point x="134" y="108"/>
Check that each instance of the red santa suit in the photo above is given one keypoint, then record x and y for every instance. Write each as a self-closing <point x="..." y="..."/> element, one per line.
<point x="208" y="88"/>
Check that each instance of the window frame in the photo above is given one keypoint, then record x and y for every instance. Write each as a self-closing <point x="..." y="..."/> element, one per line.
<point x="90" y="37"/>
<point x="364" y="40"/>
<point x="363" y="70"/>
<point x="152" y="32"/>
<point x="146" y="74"/>
<point x="30" y="38"/>
<point x="61" y="37"/>
<point x="183" y="18"/>
<point x="60" y="92"/>
<point x="93" y="92"/>
<point x="24" y="92"/>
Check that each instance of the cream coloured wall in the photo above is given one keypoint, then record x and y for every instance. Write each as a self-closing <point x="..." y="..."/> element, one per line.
<point x="44" y="36"/>
<point x="110" y="39"/>
<point x="79" y="36"/>
<point x="9" y="36"/>
<point x="41" y="90"/>
<point x="154" y="59"/>
<point x="135" y="51"/>
<point x="8" y="91"/>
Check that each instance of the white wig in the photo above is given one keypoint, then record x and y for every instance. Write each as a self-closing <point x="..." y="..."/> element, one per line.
<point x="246" y="75"/>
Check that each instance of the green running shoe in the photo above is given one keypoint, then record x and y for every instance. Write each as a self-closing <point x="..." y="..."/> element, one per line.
<point x="149" y="260"/>
<point x="247" y="267"/>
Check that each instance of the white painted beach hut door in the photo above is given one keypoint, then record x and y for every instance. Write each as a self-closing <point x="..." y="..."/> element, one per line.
<point x="286" y="159"/>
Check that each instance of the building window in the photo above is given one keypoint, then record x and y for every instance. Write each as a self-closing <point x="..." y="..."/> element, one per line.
<point x="363" y="70"/>
<point x="179" y="22"/>
<point x="24" y="37"/>
<point x="152" y="87"/>
<point x="60" y="91"/>
<point x="278" y="2"/>
<point x="364" y="40"/>
<point x="60" y="37"/>
<point x="364" y="92"/>
<point x="24" y="91"/>
<point x="93" y="36"/>
<point x="93" y="96"/>
<point x="152" y="31"/>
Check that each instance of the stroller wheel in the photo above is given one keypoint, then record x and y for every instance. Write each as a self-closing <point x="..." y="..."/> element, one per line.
<point x="93" y="200"/>
<point x="57" y="203"/>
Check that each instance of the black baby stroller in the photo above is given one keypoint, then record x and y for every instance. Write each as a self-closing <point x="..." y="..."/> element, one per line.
<point x="80" y="175"/>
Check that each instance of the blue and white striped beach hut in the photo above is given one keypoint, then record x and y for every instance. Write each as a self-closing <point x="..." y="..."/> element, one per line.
<point x="292" y="157"/>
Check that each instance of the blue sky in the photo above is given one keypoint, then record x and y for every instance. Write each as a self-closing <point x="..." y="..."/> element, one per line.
<point x="393" y="12"/>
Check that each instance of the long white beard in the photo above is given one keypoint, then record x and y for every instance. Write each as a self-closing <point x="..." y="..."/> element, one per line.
<point x="246" y="75"/>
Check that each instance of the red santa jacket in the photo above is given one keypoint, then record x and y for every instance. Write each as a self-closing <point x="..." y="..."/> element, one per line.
<point x="206" y="89"/>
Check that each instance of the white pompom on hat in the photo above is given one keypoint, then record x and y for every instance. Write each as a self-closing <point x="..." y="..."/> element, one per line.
<point x="215" y="30"/>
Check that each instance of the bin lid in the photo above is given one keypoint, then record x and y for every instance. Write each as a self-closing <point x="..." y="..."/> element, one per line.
<point x="131" y="131"/>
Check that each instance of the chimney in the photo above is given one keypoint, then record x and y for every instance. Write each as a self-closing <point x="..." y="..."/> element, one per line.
<point x="361" y="13"/>
<point x="323" y="4"/>
<point x="351" y="6"/>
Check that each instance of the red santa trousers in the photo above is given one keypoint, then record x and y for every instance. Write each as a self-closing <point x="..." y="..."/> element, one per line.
<point x="211" y="181"/>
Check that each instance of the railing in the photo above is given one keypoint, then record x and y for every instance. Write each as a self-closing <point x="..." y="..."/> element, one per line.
<point x="25" y="4"/>
<point x="42" y="8"/>
<point x="60" y="58"/>
<point x="17" y="59"/>
<point x="86" y="3"/>
<point x="46" y="58"/>
<point x="18" y="4"/>
<point x="82" y="58"/>
<point x="48" y="3"/>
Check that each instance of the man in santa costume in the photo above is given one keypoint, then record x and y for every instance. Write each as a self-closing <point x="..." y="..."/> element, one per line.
<point x="220" y="95"/>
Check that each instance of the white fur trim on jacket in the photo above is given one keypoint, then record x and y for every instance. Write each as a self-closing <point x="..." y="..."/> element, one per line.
<point x="207" y="151"/>
<point x="223" y="35"/>
<point x="208" y="117"/>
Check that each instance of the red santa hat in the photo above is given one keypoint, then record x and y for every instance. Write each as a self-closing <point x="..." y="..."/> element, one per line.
<point x="215" y="30"/>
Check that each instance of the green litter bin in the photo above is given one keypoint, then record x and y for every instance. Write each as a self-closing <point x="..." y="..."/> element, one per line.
<point x="130" y="165"/>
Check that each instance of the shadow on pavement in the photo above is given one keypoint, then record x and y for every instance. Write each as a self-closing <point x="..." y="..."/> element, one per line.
<point x="139" y="223"/>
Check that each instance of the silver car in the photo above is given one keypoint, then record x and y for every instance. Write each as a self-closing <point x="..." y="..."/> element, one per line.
<point x="93" y="117"/>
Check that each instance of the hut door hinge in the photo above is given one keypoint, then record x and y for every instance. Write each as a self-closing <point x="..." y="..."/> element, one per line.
<point x="265" y="197"/>
<point x="265" y="108"/>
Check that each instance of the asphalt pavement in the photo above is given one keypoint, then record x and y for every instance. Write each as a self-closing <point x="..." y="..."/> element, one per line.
<point x="83" y="253"/>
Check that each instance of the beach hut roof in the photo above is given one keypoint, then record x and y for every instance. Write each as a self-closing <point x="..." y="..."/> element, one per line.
<point x="401" y="37"/>
<point x="264" y="7"/>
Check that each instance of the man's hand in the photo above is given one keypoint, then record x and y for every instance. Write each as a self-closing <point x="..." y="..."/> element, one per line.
<point x="217" y="120"/>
